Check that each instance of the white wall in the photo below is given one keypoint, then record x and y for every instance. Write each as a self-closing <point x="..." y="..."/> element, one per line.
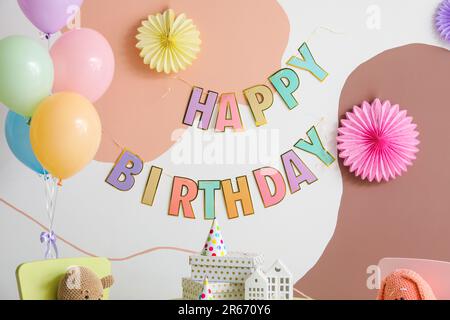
<point x="109" y="223"/>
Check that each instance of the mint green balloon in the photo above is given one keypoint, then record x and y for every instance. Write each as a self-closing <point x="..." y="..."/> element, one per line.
<point x="26" y="74"/>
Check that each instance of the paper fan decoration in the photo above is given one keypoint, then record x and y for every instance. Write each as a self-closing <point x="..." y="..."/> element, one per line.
<point x="206" y="292"/>
<point x="443" y="20"/>
<point x="168" y="43"/>
<point x="377" y="141"/>
<point x="214" y="245"/>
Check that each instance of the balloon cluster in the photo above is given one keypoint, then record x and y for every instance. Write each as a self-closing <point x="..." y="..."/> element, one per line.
<point x="52" y="126"/>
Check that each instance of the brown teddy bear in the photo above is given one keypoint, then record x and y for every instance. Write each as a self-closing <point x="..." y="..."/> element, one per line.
<point x="81" y="283"/>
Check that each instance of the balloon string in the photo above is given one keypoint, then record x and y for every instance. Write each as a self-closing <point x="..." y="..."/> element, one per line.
<point x="113" y="139"/>
<point x="51" y="184"/>
<point x="323" y="28"/>
<point x="48" y="41"/>
<point x="51" y="192"/>
<point x="182" y="80"/>
<point x="47" y="37"/>
<point x="49" y="238"/>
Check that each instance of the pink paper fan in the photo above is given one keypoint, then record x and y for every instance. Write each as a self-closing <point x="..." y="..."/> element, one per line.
<point x="377" y="141"/>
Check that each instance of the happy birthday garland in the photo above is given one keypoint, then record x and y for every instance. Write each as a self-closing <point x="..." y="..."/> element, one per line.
<point x="260" y="99"/>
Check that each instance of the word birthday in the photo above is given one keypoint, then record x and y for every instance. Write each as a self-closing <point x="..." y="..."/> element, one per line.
<point x="270" y="182"/>
<point x="259" y="97"/>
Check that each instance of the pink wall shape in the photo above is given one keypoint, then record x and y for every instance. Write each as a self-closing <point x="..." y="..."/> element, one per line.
<point x="407" y="216"/>
<point x="142" y="108"/>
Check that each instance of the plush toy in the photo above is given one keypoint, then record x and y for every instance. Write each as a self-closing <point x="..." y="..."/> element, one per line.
<point x="404" y="284"/>
<point x="81" y="283"/>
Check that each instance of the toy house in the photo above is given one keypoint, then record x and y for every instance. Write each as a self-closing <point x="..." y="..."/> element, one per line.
<point x="280" y="282"/>
<point x="256" y="286"/>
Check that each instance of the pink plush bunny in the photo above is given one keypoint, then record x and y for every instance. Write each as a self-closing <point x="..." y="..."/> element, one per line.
<point x="404" y="284"/>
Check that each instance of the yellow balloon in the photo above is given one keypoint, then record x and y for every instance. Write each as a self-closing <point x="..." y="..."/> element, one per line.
<point x="65" y="133"/>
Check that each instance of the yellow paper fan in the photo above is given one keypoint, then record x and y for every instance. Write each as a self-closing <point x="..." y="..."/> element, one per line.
<point x="168" y="43"/>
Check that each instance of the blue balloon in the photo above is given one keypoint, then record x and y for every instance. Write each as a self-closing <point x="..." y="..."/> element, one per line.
<point x="17" y="131"/>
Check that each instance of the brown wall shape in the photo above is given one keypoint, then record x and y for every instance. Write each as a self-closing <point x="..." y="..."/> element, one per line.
<point x="406" y="217"/>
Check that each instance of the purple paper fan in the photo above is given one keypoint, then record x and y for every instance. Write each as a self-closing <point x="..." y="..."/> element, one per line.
<point x="443" y="20"/>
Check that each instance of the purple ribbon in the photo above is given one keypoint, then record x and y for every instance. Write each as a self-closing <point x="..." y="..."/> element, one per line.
<point x="49" y="238"/>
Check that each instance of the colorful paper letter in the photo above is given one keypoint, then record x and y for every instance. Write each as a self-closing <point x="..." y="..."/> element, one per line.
<point x="270" y="199"/>
<point x="152" y="185"/>
<point x="209" y="203"/>
<point x="228" y="102"/>
<point x="122" y="175"/>
<point x="184" y="191"/>
<point x="195" y="105"/>
<point x="308" y="63"/>
<point x="315" y="147"/>
<point x="259" y="99"/>
<point x="293" y="164"/>
<point x="286" y="81"/>
<point x="242" y="195"/>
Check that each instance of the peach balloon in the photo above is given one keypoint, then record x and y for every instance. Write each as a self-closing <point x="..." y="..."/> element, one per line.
<point x="83" y="62"/>
<point x="65" y="133"/>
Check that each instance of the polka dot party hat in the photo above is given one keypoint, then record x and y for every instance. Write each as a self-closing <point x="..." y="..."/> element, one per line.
<point x="206" y="292"/>
<point x="214" y="245"/>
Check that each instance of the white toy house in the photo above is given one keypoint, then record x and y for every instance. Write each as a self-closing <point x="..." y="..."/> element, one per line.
<point x="280" y="282"/>
<point x="256" y="286"/>
<point x="275" y="284"/>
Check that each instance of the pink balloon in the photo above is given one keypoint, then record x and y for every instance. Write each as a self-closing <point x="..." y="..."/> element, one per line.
<point x="84" y="63"/>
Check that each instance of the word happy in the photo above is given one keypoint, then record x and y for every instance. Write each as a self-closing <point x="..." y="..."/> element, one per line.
<point x="271" y="183"/>
<point x="259" y="97"/>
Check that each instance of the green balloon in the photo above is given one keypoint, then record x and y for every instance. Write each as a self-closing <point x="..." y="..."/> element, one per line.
<point x="26" y="74"/>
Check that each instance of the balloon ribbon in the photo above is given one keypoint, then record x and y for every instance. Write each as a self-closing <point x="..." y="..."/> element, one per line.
<point x="49" y="239"/>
